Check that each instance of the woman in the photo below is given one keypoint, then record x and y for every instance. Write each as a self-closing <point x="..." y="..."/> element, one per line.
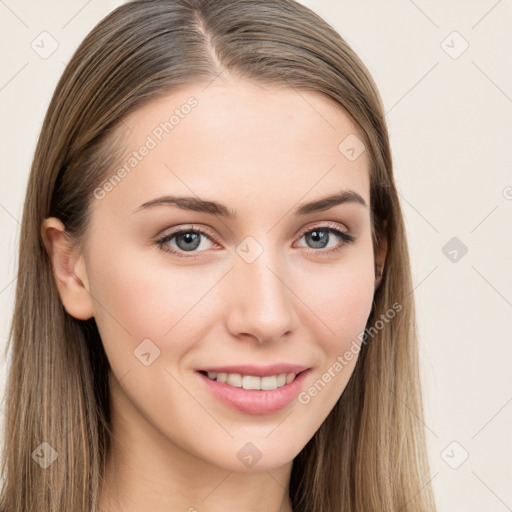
<point x="213" y="305"/>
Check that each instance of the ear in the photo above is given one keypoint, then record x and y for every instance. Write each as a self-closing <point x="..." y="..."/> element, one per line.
<point x="69" y="269"/>
<point x="380" y="256"/>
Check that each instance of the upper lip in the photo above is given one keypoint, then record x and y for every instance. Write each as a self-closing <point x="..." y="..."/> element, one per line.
<point x="257" y="371"/>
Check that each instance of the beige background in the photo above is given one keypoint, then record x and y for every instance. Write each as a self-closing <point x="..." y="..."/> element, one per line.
<point x="449" y="110"/>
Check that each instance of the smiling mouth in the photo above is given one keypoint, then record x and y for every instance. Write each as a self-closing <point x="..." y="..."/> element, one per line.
<point x="238" y="380"/>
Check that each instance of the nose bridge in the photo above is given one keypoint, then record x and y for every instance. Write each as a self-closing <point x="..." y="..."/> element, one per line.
<point x="262" y="303"/>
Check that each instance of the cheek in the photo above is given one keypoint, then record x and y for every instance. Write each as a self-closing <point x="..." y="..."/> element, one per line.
<point x="135" y="301"/>
<point x="342" y="305"/>
<point x="341" y="300"/>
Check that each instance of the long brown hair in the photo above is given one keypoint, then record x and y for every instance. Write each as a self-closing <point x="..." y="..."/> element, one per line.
<point x="369" y="454"/>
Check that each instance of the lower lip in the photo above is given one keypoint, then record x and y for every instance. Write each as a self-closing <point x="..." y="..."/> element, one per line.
<point x="254" y="401"/>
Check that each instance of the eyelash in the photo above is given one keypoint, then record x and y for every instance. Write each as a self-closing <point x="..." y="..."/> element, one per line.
<point x="346" y="237"/>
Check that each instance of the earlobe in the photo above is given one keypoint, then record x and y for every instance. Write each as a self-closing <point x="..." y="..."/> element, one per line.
<point x="69" y="269"/>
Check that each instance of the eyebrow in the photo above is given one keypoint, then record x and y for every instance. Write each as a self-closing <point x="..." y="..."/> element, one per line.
<point x="219" y="210"/>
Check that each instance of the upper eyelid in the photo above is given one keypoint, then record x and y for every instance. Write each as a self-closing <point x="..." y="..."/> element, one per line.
<point x="321" y="224"/>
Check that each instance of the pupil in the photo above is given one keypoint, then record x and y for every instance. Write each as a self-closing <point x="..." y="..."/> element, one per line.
<point x="191" y="240"/>
<point x="319" y="237"/>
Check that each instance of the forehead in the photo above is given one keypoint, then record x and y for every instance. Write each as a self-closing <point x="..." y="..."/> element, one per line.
<point x="238" y="141"/>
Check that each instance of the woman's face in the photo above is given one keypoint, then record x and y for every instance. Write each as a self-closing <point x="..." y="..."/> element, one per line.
<point x="263" y="280"/>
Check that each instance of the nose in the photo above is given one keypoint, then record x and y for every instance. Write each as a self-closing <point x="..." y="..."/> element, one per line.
<point x="261" y="302"/>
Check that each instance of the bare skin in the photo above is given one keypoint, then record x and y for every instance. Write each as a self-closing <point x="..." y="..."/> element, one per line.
<point x="262" y="152"/>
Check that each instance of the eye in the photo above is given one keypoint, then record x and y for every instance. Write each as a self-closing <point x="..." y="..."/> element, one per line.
<point x="322" y="239"/>
<point x="185" y="240"/>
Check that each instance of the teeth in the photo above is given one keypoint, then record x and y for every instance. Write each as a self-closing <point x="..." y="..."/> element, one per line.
<point x="235" y="379"/>
<point x="251" y="382"/>
<point x="269" y="383"/>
